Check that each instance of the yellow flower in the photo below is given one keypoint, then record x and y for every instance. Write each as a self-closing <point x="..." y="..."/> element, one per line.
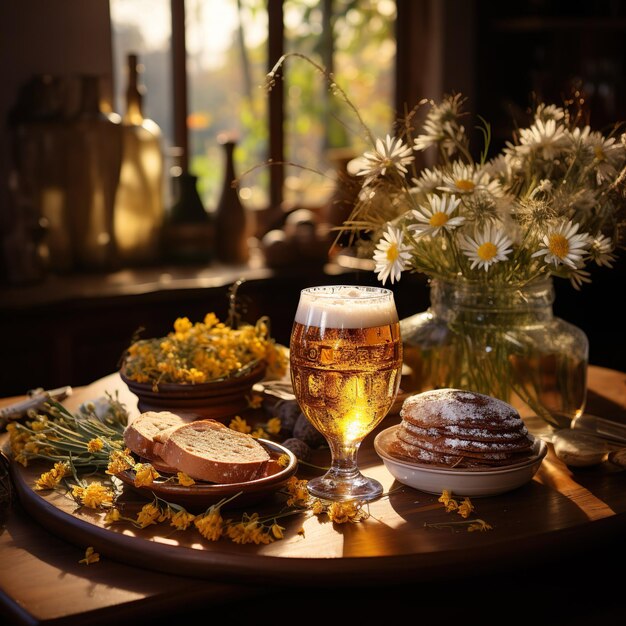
<point x="145" y="475"/>
<point x="240" y="424"/>
<point x="184" y="480"/>
<point x="318" y="507"/>
<point x="119" y="462"/>
<point x="445" y="496"/>
<point x="452" y="505"/>
<point x="255" y="401"/>
<point x="277" y="531"/>
<point x="210" y="524"/>
<point x="259" y="433"/>
<point x="299" y="494"/>
<point x="77" y="492"/>
<point x="283" y="460"/>
<point x="249" y="530"/>
<point x="448" y="501"/>
<point x="182" y="325"/>
<point x="210" y="320"/>
<point x="273" y="426"/>
<point x="112" y="516"/>
<point x="95" y="445"/>
<point x="465" y="508"/>
<point x="182" y="519"/>
<point x="149" y="514"/>
<point x="91" y="556"/>
<point x="50" y="479"/>
<point x="96" y="494"/>
<point x="342" y="512"/>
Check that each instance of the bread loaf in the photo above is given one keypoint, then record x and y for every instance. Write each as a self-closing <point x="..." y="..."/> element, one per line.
<point x="140" y="435"/>
<point x="207" y="450"/>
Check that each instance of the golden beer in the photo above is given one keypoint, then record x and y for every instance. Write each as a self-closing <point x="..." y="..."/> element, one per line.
<point x="345" y="363"/>
<point x="345" y="379"/>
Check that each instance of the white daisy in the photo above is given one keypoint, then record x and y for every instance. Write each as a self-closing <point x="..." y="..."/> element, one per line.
<point x="601" y="251"/>
<point x="486" y="247"/>
<point x="466" y="179"/>
<point x="546" y="112"/>
<point x="545" y="138"/>
<point x="607" y="155"/>
<point x="436" y="217"/>
<point x="428" y="180"/>
<point x="579" y="276"/>
<point x="392" y="153"/>
<point x="499" y="168"/>
<point x="442" y="126"/>
<point x="391" y="255"/>
<point x="563" y="245"/>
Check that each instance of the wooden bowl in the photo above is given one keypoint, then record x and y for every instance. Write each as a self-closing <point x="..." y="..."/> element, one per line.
<point x="219" y="400"/>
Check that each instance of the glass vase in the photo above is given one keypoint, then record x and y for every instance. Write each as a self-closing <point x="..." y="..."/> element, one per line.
<point x="501" y="341"/>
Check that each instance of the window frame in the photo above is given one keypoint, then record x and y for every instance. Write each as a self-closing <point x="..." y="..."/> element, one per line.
<point x="406" y="11"/>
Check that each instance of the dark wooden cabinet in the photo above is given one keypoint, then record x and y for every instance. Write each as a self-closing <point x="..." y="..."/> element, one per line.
<point x="75" y="330"/>
<point x="552" y="50"/>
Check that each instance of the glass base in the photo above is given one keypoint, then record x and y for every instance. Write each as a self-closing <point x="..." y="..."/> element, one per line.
<point x="334" y="486"/>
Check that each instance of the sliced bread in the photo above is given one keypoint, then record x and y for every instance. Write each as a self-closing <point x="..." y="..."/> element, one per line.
<point x="207" y="450"/>
<point x="140" y="435"/>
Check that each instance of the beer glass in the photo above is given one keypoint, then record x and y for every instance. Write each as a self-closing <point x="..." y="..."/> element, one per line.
<point x="345" y="365"/>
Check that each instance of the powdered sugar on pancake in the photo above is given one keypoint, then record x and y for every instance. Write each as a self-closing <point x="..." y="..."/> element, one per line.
<point x="470" y="434"/>
<point x="453" y="406"/>
<point x="459" y="428"/>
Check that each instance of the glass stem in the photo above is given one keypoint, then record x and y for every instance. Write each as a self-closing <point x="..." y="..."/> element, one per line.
<point x="344" y="464"/>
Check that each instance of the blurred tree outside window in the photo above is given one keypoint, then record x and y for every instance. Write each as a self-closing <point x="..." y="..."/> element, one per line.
<point x="227" y="42"/>
<point x="355" y="41"/>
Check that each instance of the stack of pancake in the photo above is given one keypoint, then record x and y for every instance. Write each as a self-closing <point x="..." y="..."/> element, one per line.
<point x="454" y="428"/>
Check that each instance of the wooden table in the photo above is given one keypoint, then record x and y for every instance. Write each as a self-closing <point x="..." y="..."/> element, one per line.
<point x="547" y="556"/>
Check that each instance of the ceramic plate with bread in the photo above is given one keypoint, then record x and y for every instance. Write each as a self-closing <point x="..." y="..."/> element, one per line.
<point x="222" y="461"/>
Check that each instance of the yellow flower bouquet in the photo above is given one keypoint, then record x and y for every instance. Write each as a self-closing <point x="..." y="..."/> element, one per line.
<point x="204" y="352"/>
<point x="205" y="368"/>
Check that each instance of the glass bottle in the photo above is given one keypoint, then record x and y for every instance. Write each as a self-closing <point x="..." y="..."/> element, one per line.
<point x="501" y="341"/>
<point x="231" y="222"/>
<point x="94" y="155"/>
<point x="188" y="235"/>
<point x="138" y="218"/>
<point x="37" y="134"/>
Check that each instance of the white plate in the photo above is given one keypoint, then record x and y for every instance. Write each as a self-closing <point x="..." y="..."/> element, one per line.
<point x="461" y="482"/>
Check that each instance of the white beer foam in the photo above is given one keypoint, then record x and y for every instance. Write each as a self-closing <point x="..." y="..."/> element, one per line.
<point x="345" y="307"/>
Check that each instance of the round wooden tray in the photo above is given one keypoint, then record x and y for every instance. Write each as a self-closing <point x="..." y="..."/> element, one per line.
<point x="553" y="513"/>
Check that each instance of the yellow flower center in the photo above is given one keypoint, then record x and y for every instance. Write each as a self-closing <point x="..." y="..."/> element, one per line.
<point x="599" y="152"/>
<point x="464" y="185"/>
<point x="487" y="251"/>
<point x="558" y="245"/>
<point x="438" y="219"/>
<point x="392" y="253"/>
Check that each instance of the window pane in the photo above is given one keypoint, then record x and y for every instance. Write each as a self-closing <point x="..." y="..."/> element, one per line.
<point x="144" y="27"/>
<point x="226" y="67"/>
<point x="361" y="55"/>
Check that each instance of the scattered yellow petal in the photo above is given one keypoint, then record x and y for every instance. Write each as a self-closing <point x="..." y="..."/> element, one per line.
<point x="184" y="480"/>
<point x="465" y="508"/>
<point x="239" y="424"/>
<point x="145" y="475"/>
<point x="91" y="556"/>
